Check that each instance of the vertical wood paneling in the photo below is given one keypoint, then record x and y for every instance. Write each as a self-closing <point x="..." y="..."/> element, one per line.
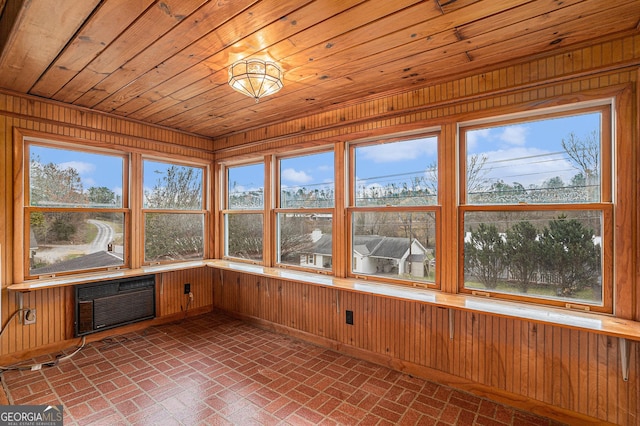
<point x="571" y="369"/>
<point x="54" y="323"/>
<point x="170" y="290"/>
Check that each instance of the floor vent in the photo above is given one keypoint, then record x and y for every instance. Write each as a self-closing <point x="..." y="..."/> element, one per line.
<point x="110" y="304"/>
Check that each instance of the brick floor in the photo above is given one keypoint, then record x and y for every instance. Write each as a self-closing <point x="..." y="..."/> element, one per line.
<point x="215" y="370"/>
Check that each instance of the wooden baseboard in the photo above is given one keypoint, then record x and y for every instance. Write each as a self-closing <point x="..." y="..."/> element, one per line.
<point x="514" y="400"/>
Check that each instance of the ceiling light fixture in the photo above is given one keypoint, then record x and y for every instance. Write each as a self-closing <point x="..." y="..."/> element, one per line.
<point x="255" y="78"/>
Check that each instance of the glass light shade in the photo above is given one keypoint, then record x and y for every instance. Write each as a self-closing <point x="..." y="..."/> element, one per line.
<point x="255" y="78"/>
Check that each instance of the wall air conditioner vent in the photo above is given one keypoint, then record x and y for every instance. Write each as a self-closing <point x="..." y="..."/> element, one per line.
<point x="109" y="304"/>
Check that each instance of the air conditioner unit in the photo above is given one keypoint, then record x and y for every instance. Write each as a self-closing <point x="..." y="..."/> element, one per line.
<point x="109" y="304"/>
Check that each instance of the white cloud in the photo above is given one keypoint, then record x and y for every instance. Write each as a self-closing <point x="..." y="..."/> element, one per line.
<point x="81" y="167"/>
<point x="401" y="151"/>
<point x="506" y="136"/>
<point x="474" y="137"/>
<point x="514" y="135"/>
<point x="295" y="176"/>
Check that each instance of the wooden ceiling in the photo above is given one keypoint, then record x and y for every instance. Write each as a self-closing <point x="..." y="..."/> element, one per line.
<point x="166" y="62"/>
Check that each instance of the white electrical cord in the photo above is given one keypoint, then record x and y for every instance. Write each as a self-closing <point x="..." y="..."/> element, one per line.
<point x="34" y="367"/>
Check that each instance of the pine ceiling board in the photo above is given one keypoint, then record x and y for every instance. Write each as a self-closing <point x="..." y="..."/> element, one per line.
<point x="200" y="107"/>
<point x="198" y="79"/>
<point x="34" y="42"/>
<point x="339" y="91"/>
<point x="370" y="13"/>
<point x="230" y="32"/>
<point x="174" y="15"/>
<point x="9" y="12"/>
<point x="358" y="15"/>
<point x="157" y="20"/>
<point x="391" y="30"/>
<point x="528" y="45"/>
<point x="214" y="70"/>
<point x="583" y="27"/>
<point x="449" y="6"/>
<point x="418" y="76"/>
<point x="538" y="8"/>
<point x="412" y="38"/>
<point x="101" y="29"/>
<point x="489" y="40"/>
<point x="357" y="59"/>
<point x="188" y="43"/>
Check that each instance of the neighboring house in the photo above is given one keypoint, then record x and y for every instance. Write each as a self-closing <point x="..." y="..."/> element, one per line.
<point x="98" y="259"/>
<point x="372" y="254"/>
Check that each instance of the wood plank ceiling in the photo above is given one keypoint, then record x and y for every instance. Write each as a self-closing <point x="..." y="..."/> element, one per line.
<point x="166" y="62"/>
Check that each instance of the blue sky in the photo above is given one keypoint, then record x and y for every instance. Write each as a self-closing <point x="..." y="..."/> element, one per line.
<point x="97" y="170"/>
<point x="528" y="153"/>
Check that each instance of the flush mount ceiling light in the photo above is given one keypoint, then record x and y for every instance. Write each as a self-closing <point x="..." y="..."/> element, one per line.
<point x="255" y="78"/>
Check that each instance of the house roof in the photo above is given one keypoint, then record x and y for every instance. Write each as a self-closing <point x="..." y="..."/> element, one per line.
<point x="98" y="259"/>
<point x="368" y="245"/>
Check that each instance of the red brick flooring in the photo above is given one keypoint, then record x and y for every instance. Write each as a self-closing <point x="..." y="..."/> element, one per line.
<point x="214" y="370"/>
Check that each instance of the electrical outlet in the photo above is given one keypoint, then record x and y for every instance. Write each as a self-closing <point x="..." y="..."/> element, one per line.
<point x="187" y="288"/>
<point x="29" y="317"/>
<point x="349" y="317"/>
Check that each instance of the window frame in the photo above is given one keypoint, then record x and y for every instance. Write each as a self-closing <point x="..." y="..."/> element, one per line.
<point x="204" y="208"/>
<point x="352" y="209"/>
<point x="225" y="211"/>
<point x="606" y="108"/>
<point x="278" y="210"/>
<point x="25" y="140"/>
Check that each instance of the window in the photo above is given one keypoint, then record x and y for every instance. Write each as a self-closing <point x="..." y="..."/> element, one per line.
<point x="394" y="208"/>
<point x="174" y="211"/>
<point x="244" y="212"/>
<point x="75" y="213"/>
<point x="306" y="198"/>
<point x="536" y="208"/>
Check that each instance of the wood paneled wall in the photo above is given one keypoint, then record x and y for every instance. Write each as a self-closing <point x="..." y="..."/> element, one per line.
<point x="545" y="369"/>
<point x="572" y="375"/>
<point x="54" y="325"/>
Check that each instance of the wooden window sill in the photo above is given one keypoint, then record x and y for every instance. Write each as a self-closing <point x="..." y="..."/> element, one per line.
<point x="593" y="322"/>
<point x="68" y="280"/>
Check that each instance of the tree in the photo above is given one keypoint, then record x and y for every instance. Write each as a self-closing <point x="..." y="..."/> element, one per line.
<point x="171" y="235"/>
<point x="584" y="153"/>
<point x="51" y="185"/>
<point x="569" y="253"/>
<point x="578" y="180"/>
<point x="484" y="255"/>
<point x="179" y="188"/>
<point x="522" y="252"/>
<point x="245" y="236"/>
<point x="62" y="230"/>
<point x="101" y="195"/>
<point x="477" y="173"/>
<point x="554" y="182"/>
<point x="294" y="236"/>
